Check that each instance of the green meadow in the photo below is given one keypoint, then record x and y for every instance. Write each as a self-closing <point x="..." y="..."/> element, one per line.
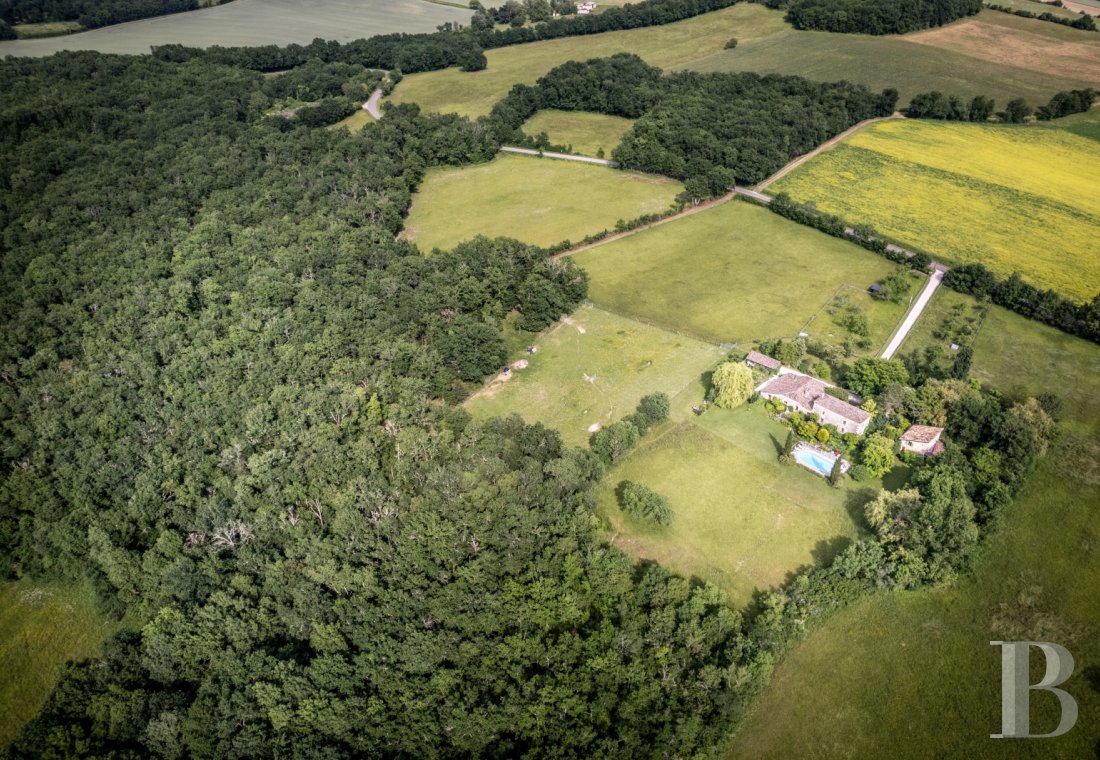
<point x="586" y="133"/>
<point x="913" y="674"/>
<point x="542" y="201"/>
<point x="592" y="369"/>
<point x="1027" y="60"/>
<point x="42" y="625"/>
<point x="738" y="272"/>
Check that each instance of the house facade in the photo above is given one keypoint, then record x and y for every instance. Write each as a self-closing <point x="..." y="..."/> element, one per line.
<point x="807" y="395"/>
<point x="923" y="440"/>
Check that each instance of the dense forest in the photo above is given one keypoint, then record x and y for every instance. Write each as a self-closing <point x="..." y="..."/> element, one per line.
<point x="227" y="396"/>
<point x="91" y="13"/>
<point x="711" y="130"/>
<point x="875" y="16"/>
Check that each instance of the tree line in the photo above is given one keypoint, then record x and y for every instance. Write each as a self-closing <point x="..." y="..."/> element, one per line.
<point x="1047" y="306"/>
<point x="874" y="16"/>
<point x="937" y="105"/>
<point x="1084" y="21"/>
<point x="709" y="130"/>
<point x="88" y="13"/>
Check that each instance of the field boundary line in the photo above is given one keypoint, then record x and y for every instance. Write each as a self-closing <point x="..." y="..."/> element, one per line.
<point x="830" y="143"/>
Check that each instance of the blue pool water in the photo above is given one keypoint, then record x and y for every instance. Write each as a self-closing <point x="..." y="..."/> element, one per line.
<point x="814" y="460"/>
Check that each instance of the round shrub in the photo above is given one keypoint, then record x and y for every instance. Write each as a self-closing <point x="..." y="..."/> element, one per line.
<point x="859" y="473"/>
<point x="642" y="501"/>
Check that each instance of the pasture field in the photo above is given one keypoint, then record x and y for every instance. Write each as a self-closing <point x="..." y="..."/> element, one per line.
<point x="1034" y="6"/>
<point x="253" y="22"/>
<point x="587" y="133"/>
<point x="46" y="29"/>
<point x="737" y="272"/>
<point x="41" y="626"/>
<point x="767" y="44"/>
<point x="914" y="673"/>
<point x="742" y="520"/>
<point x="1020" y="198"/>
<point x="542" y="201"/>
<point x="592" y="369"/>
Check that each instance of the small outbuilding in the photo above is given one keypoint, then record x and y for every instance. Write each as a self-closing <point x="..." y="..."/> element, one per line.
<point x="757" y="359"/>
<point x="923" y="440"/>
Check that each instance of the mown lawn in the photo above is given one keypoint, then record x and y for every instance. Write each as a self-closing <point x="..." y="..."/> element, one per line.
<point x="1019" y="198"/>
<point x="742" y="521"/>
<point x="41" y="626"/>
<point x="537" y="200"/>
<point x="586" y="133"/>
<point x="578" y="379"/>
<point x="735" y="273"/>
<point x="913" y="675"/>
<point x="767" y="44"/>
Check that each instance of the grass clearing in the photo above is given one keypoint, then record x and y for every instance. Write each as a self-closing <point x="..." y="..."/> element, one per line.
<point x="1021" y="198"/>
<point x="586" y="133"/>
<point x="766" y="44"/>
<point x="41" y="627"/>
<point x="623" y="359"/>
<point x="742" y="520"/>
<point x="737" y="272"/>
<point x="355" y="122"/>
<point x="46" y="29"/>
<point x="541" y="201"/>
<point x="1034" y="6"/>
<point x="914" y="674"/>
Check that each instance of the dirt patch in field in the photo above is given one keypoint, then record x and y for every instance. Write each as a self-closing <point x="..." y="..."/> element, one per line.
<point x="1080" y="8"/>
<point x="1012" y="47"/>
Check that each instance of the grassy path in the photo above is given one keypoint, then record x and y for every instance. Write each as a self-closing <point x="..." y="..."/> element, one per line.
<point x="790" y="167"/>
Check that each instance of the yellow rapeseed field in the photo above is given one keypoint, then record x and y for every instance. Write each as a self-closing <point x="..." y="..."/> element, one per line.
<point x="1015" y="198"/>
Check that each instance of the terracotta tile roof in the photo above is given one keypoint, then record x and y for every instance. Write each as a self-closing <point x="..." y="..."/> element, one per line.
<point x="809" y="393"/>
<point x="921" y="434"/>
<point x="762" y="359"/>
<point x="843" y="408"/>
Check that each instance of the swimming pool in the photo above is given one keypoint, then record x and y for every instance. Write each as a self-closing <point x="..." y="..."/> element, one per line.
<point x="813" y="459"/>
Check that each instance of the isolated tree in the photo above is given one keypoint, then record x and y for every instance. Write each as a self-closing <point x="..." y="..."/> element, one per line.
<point x="654" y="408"/>
<point x="1016" y="111"/>
<point x="836" y="475"/>
<point x="640" y="500"/>
<point x="732" y="383"/>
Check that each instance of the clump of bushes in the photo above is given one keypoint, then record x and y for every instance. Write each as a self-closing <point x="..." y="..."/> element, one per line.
<point x="613" y="442"/>
<point x="642" y="501"/>
<point x="731" y="44"/>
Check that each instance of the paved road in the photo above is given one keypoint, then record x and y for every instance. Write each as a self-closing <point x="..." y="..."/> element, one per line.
<point x="562" y="156"/>
<point x="915" y="312"/>
<point x="371" y="106"/>
<point x="824" y="146"/>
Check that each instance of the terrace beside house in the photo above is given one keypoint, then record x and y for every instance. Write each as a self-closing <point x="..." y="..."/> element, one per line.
<point x="809" y="395"/>
<point x="923" y="439"/>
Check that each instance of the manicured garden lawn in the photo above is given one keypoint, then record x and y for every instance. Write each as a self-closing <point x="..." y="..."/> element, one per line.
<point x="1020" y="198"/>
<point x="622" y="360"/>
<point x="41" y="626"/>
<point x="913" y="674"/>
<point x="742" y="520"/>
<point x="586" y="133"/>
<point x="767" y="44"/>
<point x="537" y="200"/>
<point x="737" y="272"/>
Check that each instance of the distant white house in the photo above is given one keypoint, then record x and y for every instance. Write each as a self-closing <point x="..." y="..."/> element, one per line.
<point x="586" y="7"/>
<point x="757" y="359"/>
<point x="923" y="439"/>
<point x="807" y="395"/>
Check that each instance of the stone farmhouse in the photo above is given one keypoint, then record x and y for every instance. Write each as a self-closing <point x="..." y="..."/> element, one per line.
<point x="757" y="359"/>
<point x="923" y="439"/>
<point x="807" y="395"/>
